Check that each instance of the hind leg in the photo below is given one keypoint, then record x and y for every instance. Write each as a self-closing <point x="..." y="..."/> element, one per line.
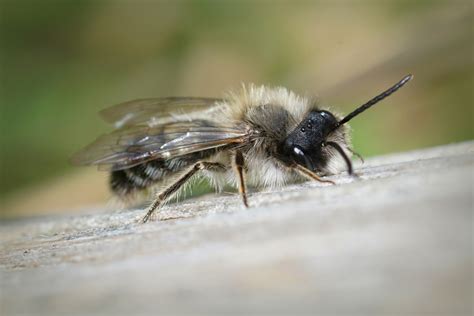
<point x="175" y="186"/>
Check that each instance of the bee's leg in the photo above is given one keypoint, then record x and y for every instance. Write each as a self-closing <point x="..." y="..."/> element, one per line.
<point x="356" y="175"/>
<point x="356" y="154"/>
<point x="309" y="174"/>
<point x="175" y="186"/>
<point x="239" y="164"/>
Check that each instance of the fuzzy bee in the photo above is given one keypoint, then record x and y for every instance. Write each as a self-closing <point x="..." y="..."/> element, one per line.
<point x="259" y="136"/>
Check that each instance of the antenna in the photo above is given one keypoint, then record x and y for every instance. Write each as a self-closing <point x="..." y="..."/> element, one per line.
<point x="375" y="100"/>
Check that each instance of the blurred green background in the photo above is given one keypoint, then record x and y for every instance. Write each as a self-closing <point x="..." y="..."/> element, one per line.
<point x="62" y="61"/>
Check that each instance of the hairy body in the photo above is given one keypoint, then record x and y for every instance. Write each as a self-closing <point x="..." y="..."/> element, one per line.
<point x="258" y="136"/>
<point x="268" y="115"/>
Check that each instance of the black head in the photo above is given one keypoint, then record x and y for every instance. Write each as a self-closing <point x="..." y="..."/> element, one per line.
<point x="307" y="144"/>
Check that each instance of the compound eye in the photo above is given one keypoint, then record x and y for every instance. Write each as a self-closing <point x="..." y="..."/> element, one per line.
<point x="298" y="151"/>
<point x="302" y="158"/>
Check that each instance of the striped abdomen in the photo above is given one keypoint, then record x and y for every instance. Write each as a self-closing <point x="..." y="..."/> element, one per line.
<point x="126" y="181"/>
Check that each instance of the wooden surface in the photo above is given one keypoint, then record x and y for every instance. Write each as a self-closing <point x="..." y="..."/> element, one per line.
<point x="395" y="240"/>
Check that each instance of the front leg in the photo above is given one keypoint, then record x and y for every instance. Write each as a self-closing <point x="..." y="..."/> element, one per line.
<point x="305" y="172"/>
<point x="239" y="165"/>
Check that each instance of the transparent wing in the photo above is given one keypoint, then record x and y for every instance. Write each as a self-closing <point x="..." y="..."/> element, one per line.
<point x="144" y="110"/>
<point x="130" y="146"/>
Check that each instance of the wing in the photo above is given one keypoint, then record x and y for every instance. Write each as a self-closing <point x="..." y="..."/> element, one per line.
<point x="130" y="146"/>
<point x="144" y="110"/>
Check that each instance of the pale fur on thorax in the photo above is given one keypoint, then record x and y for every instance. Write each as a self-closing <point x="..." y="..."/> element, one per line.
<point x="237" y="103"/>
<point x="261" y="170"/>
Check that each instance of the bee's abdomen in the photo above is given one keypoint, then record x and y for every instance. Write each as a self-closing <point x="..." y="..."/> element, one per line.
<point x="126" y="181"/>
<point x="123" y="182"/>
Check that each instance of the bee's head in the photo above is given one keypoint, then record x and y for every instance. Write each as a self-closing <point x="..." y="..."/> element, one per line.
<point x="320" y="135"/>
<point x="306" y="143"/>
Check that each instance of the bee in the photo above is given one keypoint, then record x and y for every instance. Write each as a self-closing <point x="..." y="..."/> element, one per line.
<point x="259" y="136"/>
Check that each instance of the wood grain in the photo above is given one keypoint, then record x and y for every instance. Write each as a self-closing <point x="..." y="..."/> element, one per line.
<point x="395" y="240"/>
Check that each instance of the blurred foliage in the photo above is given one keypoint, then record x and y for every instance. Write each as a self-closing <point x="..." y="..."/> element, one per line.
<point x="62" y="61"/>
